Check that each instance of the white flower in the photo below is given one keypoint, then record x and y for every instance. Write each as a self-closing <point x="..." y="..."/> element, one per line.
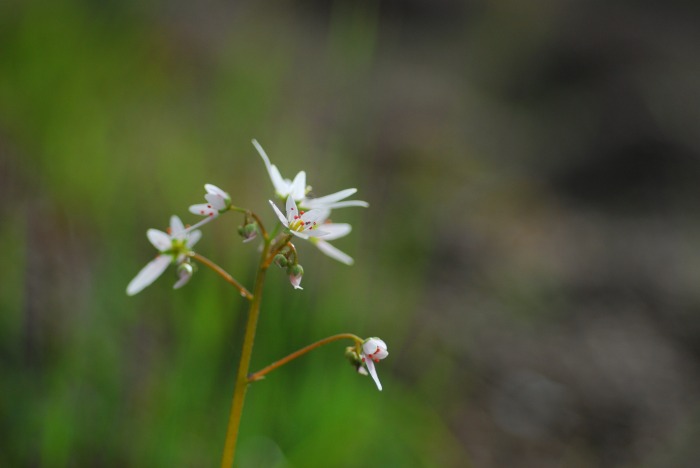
<point x="297" y="188"/>
<point x="301" y="224"/>
<point x="333" y="231"/>
<point x="283" y="187"/>
<point x="173" y="247"/>
<point x="373" y="350"/>
<point x="218" y="202"/>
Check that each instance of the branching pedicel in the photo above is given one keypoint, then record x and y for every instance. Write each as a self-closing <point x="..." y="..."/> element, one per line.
<point x="305" y="218"/>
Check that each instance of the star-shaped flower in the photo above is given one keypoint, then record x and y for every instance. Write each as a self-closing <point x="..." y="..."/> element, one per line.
<point x="218" y="202"/>
<point x="173" y="247"/>
<point x="301" y="224"/>
<point x="297" y="188"/>
<point x="373" y="350"/>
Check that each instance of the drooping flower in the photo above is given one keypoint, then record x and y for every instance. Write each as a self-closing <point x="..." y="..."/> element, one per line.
<point x="295" y="274"/>
<point x="373" y="350"/>
<point x="298" y="190"/>
<point x="334" y="231"/>
<point x="301" y="224"/>
<point x="173" y="246"/>
<point x="218" y="202"/>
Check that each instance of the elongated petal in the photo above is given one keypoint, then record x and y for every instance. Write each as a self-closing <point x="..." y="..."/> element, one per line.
<point x="176" y="226"/>
<point x="291" y="209"/>
<point x="333" y="251"/>
<point x="283" y="219"/>
<point x="309" y="233"/>
<point x="298" y="188"/>
<point x="333" y="197"/>
<point x="373" y="372"/>
<point x="344" y="204"/>
<point x="204" y="209"/>
<point x="159" y="239"/>
<point x="213" y="189"/>
<point x="335" y="230"/>
<point x="311" y="204"/>
<point x="193" y="237"/>
<point x="148" y="274"/>
<point x="281" y="187"/>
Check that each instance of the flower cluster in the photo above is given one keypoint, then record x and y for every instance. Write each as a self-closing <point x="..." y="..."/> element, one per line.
<point x="305" y="217"/>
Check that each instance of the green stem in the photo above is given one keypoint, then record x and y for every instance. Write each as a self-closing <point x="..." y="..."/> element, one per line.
<point x="261" y="373"/>
<point x="244" y="364"/>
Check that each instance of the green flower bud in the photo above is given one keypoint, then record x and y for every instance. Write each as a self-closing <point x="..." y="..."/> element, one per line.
<point x="280" y="260"/>
<point x="296" y="270"/>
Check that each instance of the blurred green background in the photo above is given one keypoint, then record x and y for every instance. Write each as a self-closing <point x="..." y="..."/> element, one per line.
<point x="531" y="254"/>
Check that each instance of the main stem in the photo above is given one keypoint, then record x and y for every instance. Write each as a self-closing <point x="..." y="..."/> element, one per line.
<point x="244" y="364"/>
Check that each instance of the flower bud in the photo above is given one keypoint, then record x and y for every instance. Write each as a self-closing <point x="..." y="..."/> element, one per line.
<point x="296" y="270"/>
<point x="355" y="360"/>
<point x="248" y="232"/>
<point x="184" y="273"/>
<point x="280" y="260"/>
<point x="295" y="274"/>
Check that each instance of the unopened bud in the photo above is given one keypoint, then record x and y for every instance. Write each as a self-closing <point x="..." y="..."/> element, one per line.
<point x="249" y="232"/>
<point x="280" y="260"/>
<point x="296" y="270"/>
<point x="355" y="360"/>
<point x="184" y="273"/>
<point x="295" y="273"/>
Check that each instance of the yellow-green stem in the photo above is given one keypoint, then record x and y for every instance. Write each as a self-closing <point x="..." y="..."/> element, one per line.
<point x="261" y="373"/>
<point x="244" y="364"/>
<point x="223" y="273"/>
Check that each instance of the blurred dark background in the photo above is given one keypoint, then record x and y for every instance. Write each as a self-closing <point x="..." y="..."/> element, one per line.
<point x="531" y="254"/>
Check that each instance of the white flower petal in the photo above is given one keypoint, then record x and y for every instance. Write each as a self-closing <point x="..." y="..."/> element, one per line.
<point x="336" y="230"/>
<point x="216" y="201"/>
<point x="193" y="237"/>
<point x="376" y="347"/>
<point x="344" y="204"/>
<point x="291" y="209"/>
<point x="298" y="188"/>
<point x="281" y="187"/>
<point x="280" y="215"/>
<point x="333" y="197"/>
<point x="176" y="226"/>
<point x="373" y="372"/>
<point x="309" y="233"/>
<point x="204" y="209"/>
<point x="312" y="216"/>
<point x="148" y="274"/>
<point x="159" y="239"/>
<point x="333" y="251"/>
<point x="213" y="189"/>
<point x="296" y="281"/>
